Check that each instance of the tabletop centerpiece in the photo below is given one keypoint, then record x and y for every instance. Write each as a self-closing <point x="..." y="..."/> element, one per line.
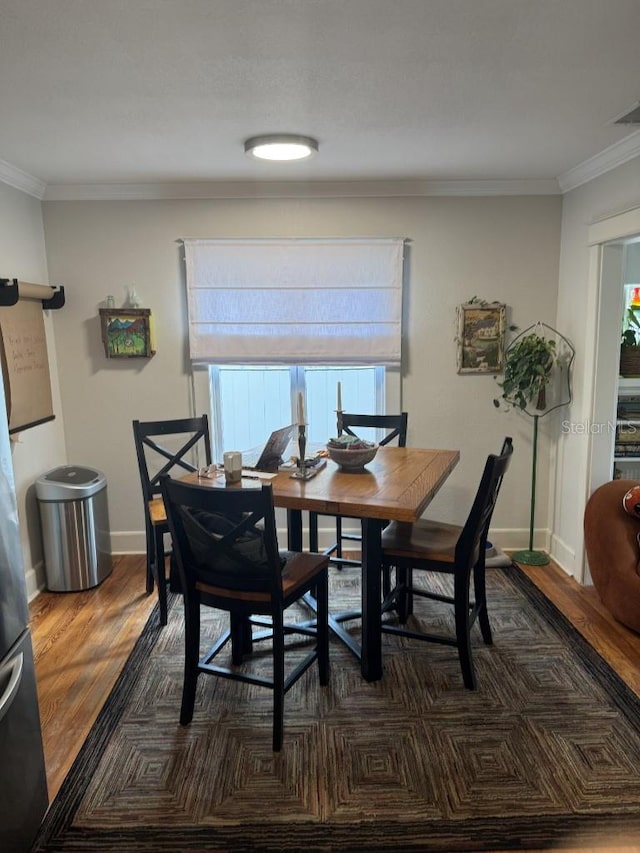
<point x="350" y="452"/>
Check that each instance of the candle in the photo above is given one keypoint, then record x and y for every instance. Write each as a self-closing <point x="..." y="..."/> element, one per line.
<point x="339" y="396"/>
<point x="300" y="408"/>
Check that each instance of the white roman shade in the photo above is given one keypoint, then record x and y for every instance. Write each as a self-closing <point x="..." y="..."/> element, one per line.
<point x="294" y="301"/>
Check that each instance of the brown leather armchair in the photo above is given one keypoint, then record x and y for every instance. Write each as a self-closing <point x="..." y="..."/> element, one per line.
<point x="613" y="551"/>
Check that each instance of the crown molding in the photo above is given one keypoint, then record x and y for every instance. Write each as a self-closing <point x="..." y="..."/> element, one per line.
<point x="615" y="155"/>
<point x="296" y="189"/>
<point x="492" y="188"/>
<point x="20" y="180"/>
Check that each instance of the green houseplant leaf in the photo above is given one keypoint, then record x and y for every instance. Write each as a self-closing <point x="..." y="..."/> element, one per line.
<point x="528" y="366"/>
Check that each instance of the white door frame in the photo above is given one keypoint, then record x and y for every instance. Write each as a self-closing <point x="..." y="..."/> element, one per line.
<point x="603" y="342"/>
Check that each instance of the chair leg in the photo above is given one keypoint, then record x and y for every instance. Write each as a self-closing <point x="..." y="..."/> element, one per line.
<point x="150" y="556"/>
<point x="322" y="617"/>
<point x="480" y="593"/>
<point x="404" y="591"/>
<point x="241" y="639"/>
<point x="409" y="582"/>
<point x="161" y="576"/>
<point x="247" y="637"/>
<point x="339" y="541"/>
<point x="278" y="681"/>
<point x="191" y="658"/>
<point x="403" y="575"/>
<point x="150" y="581"/>
<point x="463" y="628"/>
<point x="386" y="581"/>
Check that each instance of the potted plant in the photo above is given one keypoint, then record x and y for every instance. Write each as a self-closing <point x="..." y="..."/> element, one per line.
<point x="630" y="344"/>
<point x="528" y="366"/>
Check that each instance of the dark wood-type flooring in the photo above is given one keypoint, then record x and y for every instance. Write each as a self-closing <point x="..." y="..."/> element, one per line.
<point x="82" y="640"/>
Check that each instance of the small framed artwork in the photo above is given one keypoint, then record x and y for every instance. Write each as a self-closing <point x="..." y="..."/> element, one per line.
<point x="127" y="332"/>
<point x="481" y="328"/>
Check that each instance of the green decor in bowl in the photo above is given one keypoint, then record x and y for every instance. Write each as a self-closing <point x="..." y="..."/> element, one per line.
<point x="350" y="452"/>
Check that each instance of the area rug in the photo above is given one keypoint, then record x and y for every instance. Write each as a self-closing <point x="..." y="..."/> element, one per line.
<point x="546" y="753"/>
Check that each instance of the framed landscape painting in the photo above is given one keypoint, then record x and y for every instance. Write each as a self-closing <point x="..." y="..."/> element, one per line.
<point x="481" y="337"/>
<point x="127" y="332"/>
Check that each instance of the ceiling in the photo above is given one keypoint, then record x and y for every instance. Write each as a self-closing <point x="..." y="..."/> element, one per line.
<point x="152" y="92"/>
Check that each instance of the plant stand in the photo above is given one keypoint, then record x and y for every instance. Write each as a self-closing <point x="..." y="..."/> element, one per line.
<point x="529" y="557"/>
<point x="537" y="400"/>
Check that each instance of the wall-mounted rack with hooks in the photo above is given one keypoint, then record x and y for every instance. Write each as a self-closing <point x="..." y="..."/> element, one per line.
<point x="11" y="290"/>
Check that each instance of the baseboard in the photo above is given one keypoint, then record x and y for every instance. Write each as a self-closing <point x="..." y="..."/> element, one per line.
<point x="517" y="538"/>
<point x="35" y="579"/>
<point x="565" y="557"/>
<point x="505" y="539"/>
<point x="134" y="541"/>
<point x="128" y="542"/>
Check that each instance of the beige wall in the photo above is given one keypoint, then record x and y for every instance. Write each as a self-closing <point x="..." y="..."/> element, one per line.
<point x="36" y="450"/>
<point x="503" y="249"/>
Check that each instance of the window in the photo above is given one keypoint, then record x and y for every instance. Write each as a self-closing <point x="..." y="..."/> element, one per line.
<point x="248" y="402"/>
<point x="275" y="317"/>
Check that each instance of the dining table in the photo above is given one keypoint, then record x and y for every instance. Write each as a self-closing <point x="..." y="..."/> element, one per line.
<point x="397" y="485"/>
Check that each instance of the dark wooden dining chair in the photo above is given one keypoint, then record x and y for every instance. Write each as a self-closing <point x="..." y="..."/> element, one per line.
<point x="181" y="439"/>
<point x="226" y="550"/>
<point x="395" y="427"/>
<point x="432" y="546"/>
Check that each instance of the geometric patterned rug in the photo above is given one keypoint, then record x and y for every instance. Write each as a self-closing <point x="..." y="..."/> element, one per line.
<point x="545" y="753"/>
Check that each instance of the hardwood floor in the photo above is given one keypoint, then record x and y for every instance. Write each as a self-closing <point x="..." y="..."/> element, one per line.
<point x="82" y="640"/>
<point x="618" y="645"/>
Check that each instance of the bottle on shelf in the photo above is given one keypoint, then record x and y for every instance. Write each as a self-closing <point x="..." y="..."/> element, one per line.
<point x="134" y="299"/>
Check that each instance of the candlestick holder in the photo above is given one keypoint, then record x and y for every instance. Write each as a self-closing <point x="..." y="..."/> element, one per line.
<point x="302" y="444"/>
<point x="303" y="472"/>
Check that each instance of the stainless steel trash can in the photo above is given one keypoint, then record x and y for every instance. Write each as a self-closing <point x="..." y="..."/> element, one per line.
<point x="75" y="527"/>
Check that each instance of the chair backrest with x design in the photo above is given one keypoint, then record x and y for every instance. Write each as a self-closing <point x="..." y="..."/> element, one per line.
<point x="227" y="539"/>
<point x="395" y="426"/>
<point x="155" y="460"/>
<point x="165" y="447"/>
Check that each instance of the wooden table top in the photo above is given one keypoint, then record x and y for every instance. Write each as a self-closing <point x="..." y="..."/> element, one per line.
<point x="397" y="485"/>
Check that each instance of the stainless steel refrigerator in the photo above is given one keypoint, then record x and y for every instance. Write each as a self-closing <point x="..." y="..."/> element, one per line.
<point x="23" y="784"/>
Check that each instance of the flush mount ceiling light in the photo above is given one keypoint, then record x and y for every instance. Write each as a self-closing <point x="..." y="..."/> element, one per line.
<point x="281" y="146"/>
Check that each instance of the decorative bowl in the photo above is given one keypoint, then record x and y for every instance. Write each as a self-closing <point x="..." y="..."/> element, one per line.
<point x="351" y="460"/>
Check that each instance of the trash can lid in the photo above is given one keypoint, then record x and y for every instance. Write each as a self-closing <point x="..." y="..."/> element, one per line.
<point x="73" y="475"/>
<point x="69" y="482"/>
